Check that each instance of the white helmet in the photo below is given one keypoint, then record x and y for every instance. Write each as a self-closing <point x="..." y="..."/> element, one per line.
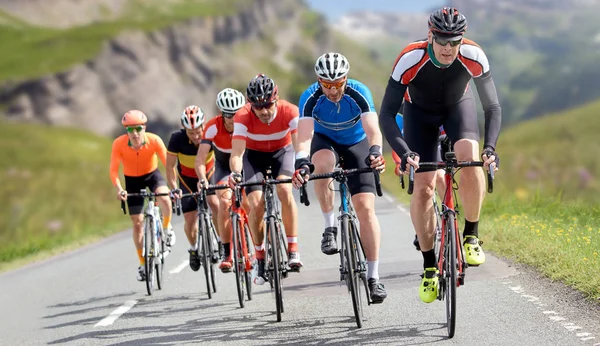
<point x="192" y="117"/>
<point x="332" y="66"/>
<point x="230" y="100"/>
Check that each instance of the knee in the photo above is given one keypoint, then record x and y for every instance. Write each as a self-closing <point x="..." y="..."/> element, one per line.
<point x="255" y="203"/>
<point x="466" y="149"/>
<point x="423" y="192"/>
<point x="284" y="192"/>
<point x="323" y="160"/>
<point x="137" y="223"/>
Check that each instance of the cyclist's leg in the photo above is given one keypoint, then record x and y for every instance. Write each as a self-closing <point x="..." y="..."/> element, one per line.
<point x="463" y="130"/>
<point x="256" y="208"/>
<point x="213" y="201"/>
<point x="362" y="189"/>
<point x="421" y="134"/>
<point x="324" y="157"/>
<point x="135" y="206"/>
<point x="157" y="184"/>
<point x="224" y="221"/>
<point x="283" y="168"/>
<point x="190" y="219"/>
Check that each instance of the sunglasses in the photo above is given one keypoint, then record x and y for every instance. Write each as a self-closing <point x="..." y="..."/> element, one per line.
<point x="227" y="115"/>
<point x="262" y="106"/>
<point x="137" y="129"/>
<point x="328" y="85"/>
<point x="443" y="42"/>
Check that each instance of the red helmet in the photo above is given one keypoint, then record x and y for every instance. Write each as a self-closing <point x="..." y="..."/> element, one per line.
<point x="134" y="117"/>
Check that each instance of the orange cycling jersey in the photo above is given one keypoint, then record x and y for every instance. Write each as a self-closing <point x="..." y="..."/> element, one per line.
<point x="136" y="162"/>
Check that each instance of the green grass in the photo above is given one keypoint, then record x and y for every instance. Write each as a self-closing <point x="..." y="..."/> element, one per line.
<point x="545" y="208"/>
<point x="30" y="51"/>
<point x="56" y="189"/>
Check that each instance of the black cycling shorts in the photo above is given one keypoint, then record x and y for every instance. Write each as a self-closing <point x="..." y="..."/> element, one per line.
<point x="222" y="172"/>
<point x="257" y="162"/>
<point x="190" y="203"/>
<point x="421" y="128"/>
<point x="151" y="180"/>
<point x="353" y="156"/>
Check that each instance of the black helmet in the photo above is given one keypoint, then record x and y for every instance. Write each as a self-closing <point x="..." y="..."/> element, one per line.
<point x="449" y="21"/>
<point x="261" y="90"/>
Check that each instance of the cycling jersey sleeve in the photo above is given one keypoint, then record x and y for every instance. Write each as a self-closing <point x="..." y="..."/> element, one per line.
<point x="210" y="133"/>
<point x="392" y="100"/>
<point x="363" y="97"/>
<point x="491" y="108"/>
<point x="115" y="161"/>
<point x="308" y="100"/>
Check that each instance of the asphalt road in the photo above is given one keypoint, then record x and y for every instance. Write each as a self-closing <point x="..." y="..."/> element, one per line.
<point x="67" y="300"/>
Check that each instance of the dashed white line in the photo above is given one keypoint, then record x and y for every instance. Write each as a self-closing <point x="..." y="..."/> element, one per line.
<point x="179" y="267"/>
<point x="110" y="319"/>
<point x="389" y="198"/>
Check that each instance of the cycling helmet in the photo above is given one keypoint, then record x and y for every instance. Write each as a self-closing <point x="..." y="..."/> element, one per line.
<point x="192" y="117"/>
<point x="449" y="21"/>
<point x="230" y="100"/>
<point x="332" y="66"/>
<point x="134" y="117"/>
<point x="261" y="90"/>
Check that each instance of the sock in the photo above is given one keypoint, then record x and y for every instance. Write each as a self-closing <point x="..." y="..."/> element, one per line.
<point x="260" y="251"/>
<point x="373" y="270"/>
<point x="140" y="257"/>
<point x="471" y="228"/>
<point x="194" y="247"/>
<point x="428" y="259"/>
<point x="227" y="249"/>
<point x="329" y="219"/>
<point x="166" y="222"/>
<point x="292" y="244"/>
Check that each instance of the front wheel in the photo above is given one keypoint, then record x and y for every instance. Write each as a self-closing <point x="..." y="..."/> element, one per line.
<point x="204" y="253"/>
<point x="238" y="260"/>
<point x="149" y="254"/>
<point x="451" y="275"/>
<point x="273" y="239"/>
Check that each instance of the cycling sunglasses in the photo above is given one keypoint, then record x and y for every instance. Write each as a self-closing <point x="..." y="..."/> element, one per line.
<point x="261" y="106"/>
<point x="138" y="128"/>
<point x="329" y="85"/>
<point x="227" y="115"/>
<point x="444" y="41"/>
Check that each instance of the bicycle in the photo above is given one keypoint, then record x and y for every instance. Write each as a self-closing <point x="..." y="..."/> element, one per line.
<point x="353" y="263"/>
<point x="208" y="243"/>
<point x="242" y="251"/>
<point x="153" y="238"/>
<point x="276" y="251"/>
<point x="450" y="260"/>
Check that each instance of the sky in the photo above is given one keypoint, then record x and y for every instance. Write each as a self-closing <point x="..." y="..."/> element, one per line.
<point x="334" y="9"/>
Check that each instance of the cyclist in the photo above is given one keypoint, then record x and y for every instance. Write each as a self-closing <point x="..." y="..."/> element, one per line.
<point x="432" y="77"/>
<point x="342" y="115"/>
<point x="137" y="150"/>
<point x="219" y="131"/>
<point x="181" y="154"/>
<point x="265" y="128"/>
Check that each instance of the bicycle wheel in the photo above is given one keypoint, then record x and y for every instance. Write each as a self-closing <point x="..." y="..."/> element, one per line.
<point x="352" y="279"/>
<point x="248" y="266"/>
<point x="149" y="254"/>
<point x="451" y="275"/>
<point x="362" y="264"/>
<point x="213" y="250"/>
<point x="159" y="264"/>
<point x="204" y="253"/>
<point x="273" y="239"/>
<point x="238" y="259"/>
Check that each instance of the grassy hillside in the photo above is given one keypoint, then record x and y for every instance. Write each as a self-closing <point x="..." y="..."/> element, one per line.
<point x="545" y="209"/>
<point x="31" y="51"/>
<point x="55" y="188"/>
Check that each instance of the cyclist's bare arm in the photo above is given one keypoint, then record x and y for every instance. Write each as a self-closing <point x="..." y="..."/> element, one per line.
<point x="370" y="123"/>
<point x="306" y="128"/>
<point x="203" y="150"/>
<point x="171" y="168"/>
<point x="161" y="151"/>
<point x="237" y="150"/>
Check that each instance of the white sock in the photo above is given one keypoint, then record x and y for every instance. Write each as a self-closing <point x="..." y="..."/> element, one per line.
<point x="329" y="219"/>
<point x="194" y="247"/>
<point x="373" y="270"/>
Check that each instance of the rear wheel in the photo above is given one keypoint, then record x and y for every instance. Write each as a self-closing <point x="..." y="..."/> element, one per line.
<point x="160" y="261"/>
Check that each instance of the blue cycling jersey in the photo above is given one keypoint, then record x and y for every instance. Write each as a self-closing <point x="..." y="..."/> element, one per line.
<point x="338" y="121"/>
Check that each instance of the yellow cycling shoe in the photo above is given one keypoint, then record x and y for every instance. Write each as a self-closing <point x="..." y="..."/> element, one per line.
<point x="428" y="292"/>
<point x="473" y="251"/>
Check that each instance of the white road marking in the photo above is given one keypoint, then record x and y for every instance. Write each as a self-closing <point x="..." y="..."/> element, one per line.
<point x="180" y="267"/>
<point x="110" y="319"/>
<point x="389" y="198"/>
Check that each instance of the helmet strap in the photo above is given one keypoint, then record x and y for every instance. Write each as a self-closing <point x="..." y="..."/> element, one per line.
<point x="435" y="61"/>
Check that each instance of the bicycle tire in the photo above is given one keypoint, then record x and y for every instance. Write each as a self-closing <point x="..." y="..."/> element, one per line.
<point x="238" y="260"/>
<point x="148" y="255"/>
<point x="351" y="265"/>
<point x="273" y="240"/>
<point x="360" y="255"/>
<point x="159" y="264"/>
<point x="248" y="273"/>
<point x="204" y="255"/>
<point x="451" y="276"/>
<point x="214" y="253"/>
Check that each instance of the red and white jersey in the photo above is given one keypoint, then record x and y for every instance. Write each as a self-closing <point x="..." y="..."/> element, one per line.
<point x="266" y="137"/>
